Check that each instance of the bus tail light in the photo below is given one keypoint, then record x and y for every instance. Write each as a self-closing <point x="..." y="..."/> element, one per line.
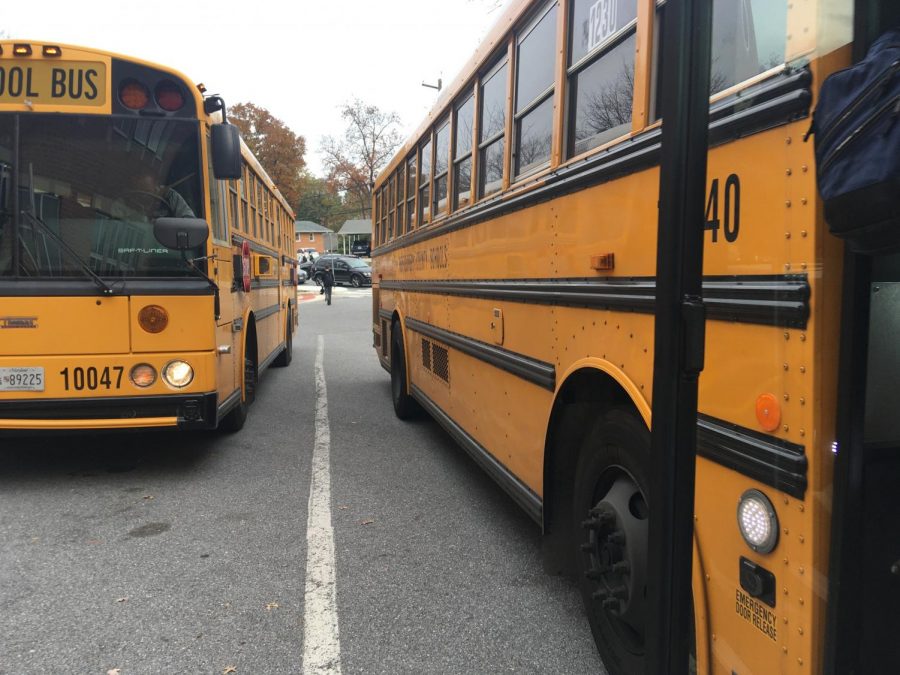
<point x="169" y="96"/>
<point x="153" y="319"/>
<point x="757" y="521"/>
<point x="143" y="375"/>
<point x="178" y="374"/>
<point x="134" y="95"/>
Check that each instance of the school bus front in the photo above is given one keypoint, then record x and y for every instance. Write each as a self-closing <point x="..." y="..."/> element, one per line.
<point x="101" y="326"/>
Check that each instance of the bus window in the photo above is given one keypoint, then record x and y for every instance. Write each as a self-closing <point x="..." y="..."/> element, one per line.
<point x="411" y="192"/>
<point x="534" y="93"/>
<point x="424" y="181"/>
<point x="492" y="128"/>
<point x="401" y="201"/>
<point x="462" y="154"/>
<point x="601" y="74"/>
<point x="441" y="161"/>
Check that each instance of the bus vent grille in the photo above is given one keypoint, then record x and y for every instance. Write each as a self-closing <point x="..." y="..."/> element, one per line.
<point x="426" y="354"/>
<point x="440" y="363"/>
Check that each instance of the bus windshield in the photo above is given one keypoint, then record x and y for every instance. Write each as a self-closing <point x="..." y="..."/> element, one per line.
<point x="98" y="183"/>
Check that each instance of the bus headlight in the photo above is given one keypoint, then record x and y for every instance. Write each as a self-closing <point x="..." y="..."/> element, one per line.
<point x="178" y="374"/>
<point x="143" y="375"/>
<point x="757" y="521"/>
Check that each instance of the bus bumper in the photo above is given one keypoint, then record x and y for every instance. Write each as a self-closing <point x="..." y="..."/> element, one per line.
<point x="192" y="411"/>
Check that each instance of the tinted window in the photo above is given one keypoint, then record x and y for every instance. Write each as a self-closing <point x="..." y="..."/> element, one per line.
<point x="534" y="70"/>
<point x="492" y="168"/>
<point x="595" y="21"/>
<point x="748" y="38"/>
<point x="464" y="119"/>
<point x="602" y="94"/>
<point x="493" y="111"/>
<point x="535" y="136"/>
<point x="442" y="149"/>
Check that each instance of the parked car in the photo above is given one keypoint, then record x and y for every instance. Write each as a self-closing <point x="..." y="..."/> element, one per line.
<point x="347" y="270"/>
<point x="302" y="276"/>
<point x="363" y="248"/>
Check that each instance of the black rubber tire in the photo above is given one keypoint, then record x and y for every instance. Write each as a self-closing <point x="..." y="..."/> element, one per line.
<point x="234" y="420"/>
<point x="283" y="360"/>
<point x="614" y="459"/>
<point x="356" y="281"/>
<point x="405" y="406"/>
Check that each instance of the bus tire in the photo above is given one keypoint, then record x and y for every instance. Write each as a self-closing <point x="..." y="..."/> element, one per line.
<point x="405" y="406"/>
<point x="611" y="510"/>
<point x="234" y="420"/>
<point x="283" y="360"/>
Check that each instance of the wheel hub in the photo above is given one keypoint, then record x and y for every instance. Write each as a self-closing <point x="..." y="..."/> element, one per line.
<point x="616" y="553"/>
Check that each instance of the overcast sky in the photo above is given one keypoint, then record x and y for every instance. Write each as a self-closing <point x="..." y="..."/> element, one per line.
<point x="299" y="59"/>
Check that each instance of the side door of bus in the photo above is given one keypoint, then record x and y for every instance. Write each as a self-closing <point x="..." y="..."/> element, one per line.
<point x="228" y="343"/>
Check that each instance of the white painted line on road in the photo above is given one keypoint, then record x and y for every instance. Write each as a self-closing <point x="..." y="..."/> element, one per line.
<point x="321" y="638"/>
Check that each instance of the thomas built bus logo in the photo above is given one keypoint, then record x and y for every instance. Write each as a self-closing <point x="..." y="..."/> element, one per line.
<point x="18" y="322"/>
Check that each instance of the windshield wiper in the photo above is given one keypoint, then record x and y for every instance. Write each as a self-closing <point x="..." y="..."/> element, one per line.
<point x="105" y="287"/>
<point x="31" y="212"/>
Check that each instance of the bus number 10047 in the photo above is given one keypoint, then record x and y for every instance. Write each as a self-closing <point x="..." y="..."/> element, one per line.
<point x="92" y="378"/>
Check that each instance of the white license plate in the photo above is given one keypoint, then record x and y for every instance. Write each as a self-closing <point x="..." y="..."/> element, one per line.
<point x="21" y="379"/>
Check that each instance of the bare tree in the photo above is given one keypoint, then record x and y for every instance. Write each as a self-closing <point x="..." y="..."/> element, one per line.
<point x="370" y="140"/>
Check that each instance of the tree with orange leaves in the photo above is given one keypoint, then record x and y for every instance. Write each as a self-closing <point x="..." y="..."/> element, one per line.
<point x="278" y="149"/>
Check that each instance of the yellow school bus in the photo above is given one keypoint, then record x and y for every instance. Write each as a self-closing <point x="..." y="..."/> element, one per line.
<point x="147" y="277"/>
<point x="514" y="286"/>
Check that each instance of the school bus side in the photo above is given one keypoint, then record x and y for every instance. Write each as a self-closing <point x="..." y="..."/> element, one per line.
<point x="522" y="321"/>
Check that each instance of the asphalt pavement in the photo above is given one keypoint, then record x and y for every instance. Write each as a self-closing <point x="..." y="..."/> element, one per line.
<point x="187" y="553"/>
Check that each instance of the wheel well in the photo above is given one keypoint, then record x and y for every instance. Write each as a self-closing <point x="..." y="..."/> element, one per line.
<point x="250" y="345"/>
<point x="582" y="397"/>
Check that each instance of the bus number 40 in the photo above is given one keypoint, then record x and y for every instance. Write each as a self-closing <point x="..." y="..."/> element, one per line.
<point x="731" y="209"/>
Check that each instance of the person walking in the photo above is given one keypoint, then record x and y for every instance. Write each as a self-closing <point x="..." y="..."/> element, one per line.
<point x="328" y="282"/>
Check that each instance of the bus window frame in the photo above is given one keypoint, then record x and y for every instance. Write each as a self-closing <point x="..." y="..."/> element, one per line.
<point x="436" y="210"/>
<point x="549" y="92"/>
<point x="423" y="209"/>
<point x="455" y="160"/>
<point x="501" y="136"/>
<point x="412" y="160"/>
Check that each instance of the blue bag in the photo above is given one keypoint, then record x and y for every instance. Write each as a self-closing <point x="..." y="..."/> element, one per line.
<point x="857" y="128"/>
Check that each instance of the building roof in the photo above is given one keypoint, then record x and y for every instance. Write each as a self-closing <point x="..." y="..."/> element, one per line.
<point x="356" y="227"/>
<point x="309" y="226"/>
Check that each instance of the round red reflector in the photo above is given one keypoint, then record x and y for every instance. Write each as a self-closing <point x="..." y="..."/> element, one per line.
<point x="134" y="95"/>
<point x="169" y="96"/>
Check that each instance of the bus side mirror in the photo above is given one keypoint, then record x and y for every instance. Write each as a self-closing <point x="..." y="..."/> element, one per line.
<point x="181" y="234"/>
<point x="226" y="151"/>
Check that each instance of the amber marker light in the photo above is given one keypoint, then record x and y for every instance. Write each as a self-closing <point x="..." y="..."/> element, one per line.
<point x="134" y="95"/>
<point x="768" y="412"/>
<point x="22" y="50"/>
<point x="153" y="319"/>
<point x="51" y="50"/>
<point x="143" y="375"/>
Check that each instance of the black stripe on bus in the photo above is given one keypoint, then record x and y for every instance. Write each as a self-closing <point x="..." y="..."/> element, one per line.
<point x="776" y="300"/>
<point x="31" y="288"/>
<point x="534" y="371"/>
<point x="265" y="283"/>
<point x="782" y="99"/>
<point x="772" y="461"/>
<point x="521" y="493"/>
<point x="267" y="311"/>
<point x="385" y="314"/>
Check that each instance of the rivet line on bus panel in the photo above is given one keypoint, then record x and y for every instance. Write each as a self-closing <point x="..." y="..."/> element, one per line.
<point x="321" y="637"/>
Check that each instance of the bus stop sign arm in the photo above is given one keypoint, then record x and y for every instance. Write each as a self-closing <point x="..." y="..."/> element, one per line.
<point x="679" y="331"/>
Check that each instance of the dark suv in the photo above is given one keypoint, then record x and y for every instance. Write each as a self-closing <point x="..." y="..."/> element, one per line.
<point x="361" y="248"/>
<point x="347" y="270"/>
